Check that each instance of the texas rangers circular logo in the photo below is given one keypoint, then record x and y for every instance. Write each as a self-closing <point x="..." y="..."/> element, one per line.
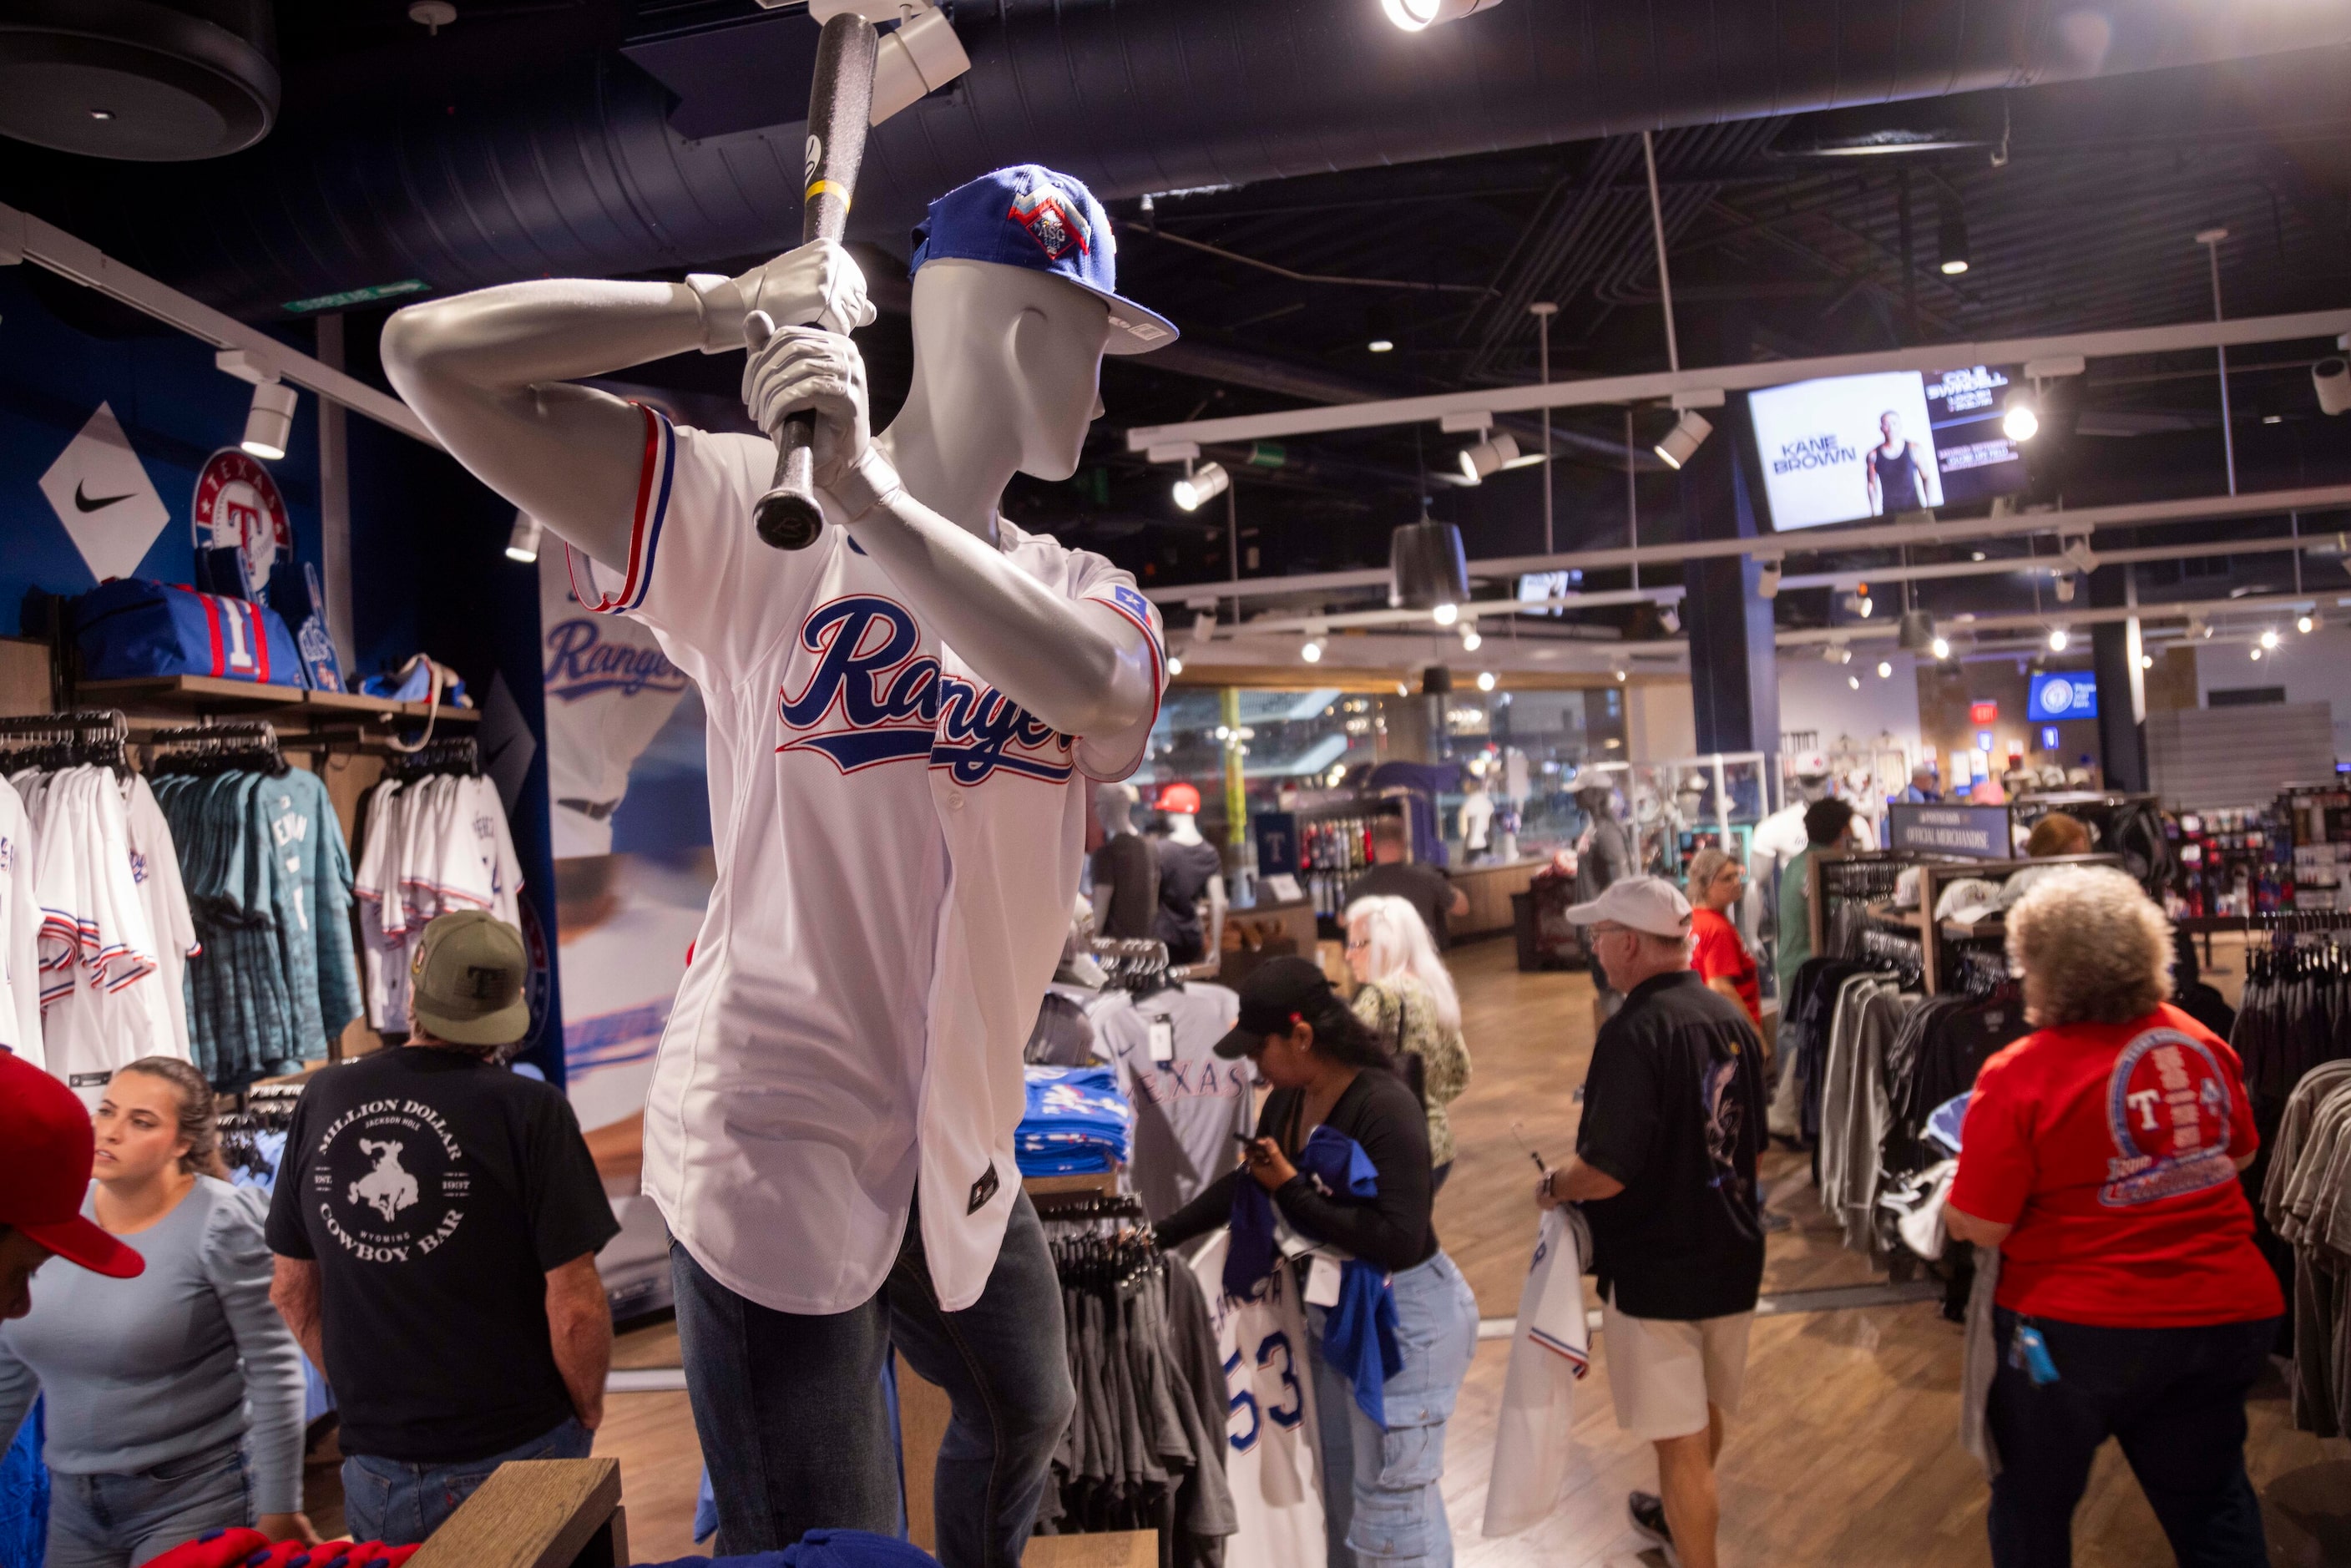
<point x="2167" y="1107"/>
<point x="2057" y="695"/>
<point x="237" y="507"/>
<point x="389" y="1183"/>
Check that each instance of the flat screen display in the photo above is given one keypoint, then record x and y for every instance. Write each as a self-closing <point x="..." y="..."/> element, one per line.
<point x="2071" y="693"/>
<point x="1846" y="448"/>
<point x="1534" y="587"/>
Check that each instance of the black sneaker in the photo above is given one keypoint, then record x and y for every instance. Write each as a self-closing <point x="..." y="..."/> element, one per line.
<point x="1648" y="1514"/>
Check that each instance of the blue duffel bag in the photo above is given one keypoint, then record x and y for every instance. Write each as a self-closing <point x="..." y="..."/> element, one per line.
<point x="133" y="628"/>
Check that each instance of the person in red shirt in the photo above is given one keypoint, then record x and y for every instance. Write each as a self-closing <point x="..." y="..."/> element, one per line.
<point x="2100" y="1155"/>
<point x="1717" y="952"/>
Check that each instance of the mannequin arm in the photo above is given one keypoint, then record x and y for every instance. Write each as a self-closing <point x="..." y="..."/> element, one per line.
<point x="1216" y="917"/>
<point x="487" y="372"/>
<point x="1084" y="672"/>
<point x="1101" y="906"/>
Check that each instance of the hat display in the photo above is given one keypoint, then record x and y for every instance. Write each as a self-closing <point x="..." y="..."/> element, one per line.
<point x="1032" y="217"/>
<point x="1181" y="799"/>
<point x="466" y="979"/>
<point x="1647" y="903"/>
<point x="1969" y="899"/>
<point x="45" y="1150"/>
<point x="1277" y="993"/>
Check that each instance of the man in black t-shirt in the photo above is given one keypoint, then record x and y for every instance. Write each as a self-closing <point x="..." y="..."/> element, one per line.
<point x="1665" y="1170"/>
<point x="436" y="1222"/>
<point x="1394" y="875"/>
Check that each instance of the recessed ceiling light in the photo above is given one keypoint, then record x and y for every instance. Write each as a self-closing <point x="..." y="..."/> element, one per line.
<point x="101" y="114"/>
<point x="1381" y="346"/>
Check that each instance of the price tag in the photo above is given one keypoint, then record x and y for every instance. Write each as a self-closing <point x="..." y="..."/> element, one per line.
<point x="1322" y="1282"/>
<point x="1162" y="1040"/>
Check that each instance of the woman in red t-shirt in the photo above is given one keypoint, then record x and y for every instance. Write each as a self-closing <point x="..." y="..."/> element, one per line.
<point x="2100" y="1154"/>
<point x="1717" y="952"/>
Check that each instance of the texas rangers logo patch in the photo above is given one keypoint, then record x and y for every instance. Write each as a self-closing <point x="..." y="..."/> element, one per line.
<point x="2167" y="1107"/>
<point x="873" y="699"/>
<point x="1051" y="222"/>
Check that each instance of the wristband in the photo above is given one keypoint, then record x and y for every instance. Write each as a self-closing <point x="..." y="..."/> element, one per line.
<point x="868" y="483"/>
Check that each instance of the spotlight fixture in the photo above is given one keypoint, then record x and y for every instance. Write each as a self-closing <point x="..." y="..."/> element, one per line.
<point x="1975" y="554"/>
<point x="269" y="424"/>
<point x="1416" y="16"/>
<point x="522" y="545"/>
<point x="2270" y="638"/>
<point x="1621" y="675"/>
<point x="2077" y="550"/>
<point x="1951" y="237"/>
<point x="1174" y="664"/>
<point x="1489" y="456"/>
<point x="1311" y="650"/>
<point x="1669" y="617"/>
<point x="1485" y="680"/>
<point x="1426" y="568"/>
<point x="2066" y="587"/>
<point x="2257" y="656"/>
<point x="1918" y="632"/>
<point x="1837" y="653"/>
<point x="2147" y="660"/>
<point x="1688" y="433"/>
<point x="1205" y="483"/>
<point x="1859" y="603"/>
<point x="2058" y="638"/>
<point x="1939" y="648"/>
<point x="1204" y="626"/>
<point x="2306" y="622"/>
<point x="1854" y="681"/>
<point x="1885" y="669"/>
<point x="1403" y="690"/>
<point x="2197" y="628"/>
<point x="1470" y="641"/>
<point x="2023" y="421"/>
<point x="1380" y="346"/>
<point x="1767" y="577"/>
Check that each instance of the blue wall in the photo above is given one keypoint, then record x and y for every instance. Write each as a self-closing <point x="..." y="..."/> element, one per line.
<point x="175" y="407"/>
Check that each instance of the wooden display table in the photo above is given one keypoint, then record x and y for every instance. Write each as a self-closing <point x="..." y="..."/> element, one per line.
<point x="536" y="1513"/>
<point x="1488" y="888"/>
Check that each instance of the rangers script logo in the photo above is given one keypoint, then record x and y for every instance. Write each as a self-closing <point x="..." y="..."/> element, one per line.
<point x="871" y="700"/>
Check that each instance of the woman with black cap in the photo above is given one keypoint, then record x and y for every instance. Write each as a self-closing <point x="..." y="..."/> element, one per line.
<point x="1342" y="1154"/>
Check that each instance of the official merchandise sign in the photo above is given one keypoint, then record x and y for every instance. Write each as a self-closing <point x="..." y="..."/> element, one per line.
<point x="2070" y="694"/>
<point x="1974" y="832"/>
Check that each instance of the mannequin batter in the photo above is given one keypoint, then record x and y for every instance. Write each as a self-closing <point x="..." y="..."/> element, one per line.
<point x="903" y="720"/>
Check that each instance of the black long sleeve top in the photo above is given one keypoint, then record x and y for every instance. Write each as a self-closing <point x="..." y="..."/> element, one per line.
<point x="1390" y="1231"/>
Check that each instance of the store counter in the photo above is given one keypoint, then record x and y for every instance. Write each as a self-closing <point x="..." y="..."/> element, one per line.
<point x="1489" y="886"/>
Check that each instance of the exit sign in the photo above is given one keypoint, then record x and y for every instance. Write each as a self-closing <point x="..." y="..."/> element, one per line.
<point x="1983" y="713"/>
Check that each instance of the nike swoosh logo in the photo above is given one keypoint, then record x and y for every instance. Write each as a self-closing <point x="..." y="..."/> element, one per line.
<point x="82" y="503"/>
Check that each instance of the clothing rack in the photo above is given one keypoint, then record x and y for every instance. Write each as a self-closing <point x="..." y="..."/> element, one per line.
<point x="1133" y="964"/>
<point x="83" y="737"/>
<point x="458" y="754"/>
<point x="218" y="746"/>
<point x="1864" y="876"/>
<point x="1088" y="1206"/>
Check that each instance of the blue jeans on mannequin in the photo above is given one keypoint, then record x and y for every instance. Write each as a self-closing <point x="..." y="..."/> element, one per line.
<point x="1383" y="1501"/>
<point x="107" y="1521"/>
<point x="789" y="1409"/>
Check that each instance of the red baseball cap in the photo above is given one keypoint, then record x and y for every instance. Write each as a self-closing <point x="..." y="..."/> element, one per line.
<point x="46" y="1147"/>
<point x="1180" y="798"/>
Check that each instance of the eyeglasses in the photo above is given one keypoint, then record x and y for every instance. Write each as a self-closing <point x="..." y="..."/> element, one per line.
<point x="1357" y="943"/>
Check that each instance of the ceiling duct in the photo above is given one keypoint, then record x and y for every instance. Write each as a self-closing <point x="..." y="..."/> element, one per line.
<point x="583" y="170"/>
<point x="139" y="80"/>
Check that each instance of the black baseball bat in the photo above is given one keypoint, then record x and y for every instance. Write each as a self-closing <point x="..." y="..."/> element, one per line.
<point x="840" y="98"/>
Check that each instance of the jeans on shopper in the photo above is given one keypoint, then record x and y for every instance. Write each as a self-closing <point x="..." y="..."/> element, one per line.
<point x="400" y="1503"/>
<point x="790" y="1413"/>
<point x="121" y="1521"/>
<point x="2175" y="1401"/>
<point x="1382" y="1501"/>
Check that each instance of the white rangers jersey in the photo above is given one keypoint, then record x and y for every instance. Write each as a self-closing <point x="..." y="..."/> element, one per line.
<point x="609" y="689"/>
<point x="1274" y="1465"/>
<point x="1550" y="1353"/>
<point x="20" y="931"/>
<point x="897" y="843"/>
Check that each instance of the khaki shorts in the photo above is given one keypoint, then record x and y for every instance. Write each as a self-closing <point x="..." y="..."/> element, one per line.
<point x="1663" y="1373"/>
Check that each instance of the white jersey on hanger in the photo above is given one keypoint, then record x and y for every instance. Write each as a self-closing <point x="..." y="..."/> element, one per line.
<point x="897" y="843"/>
<point x="101" y="1000"/>
<point x="1550" y="1353"/>
<point x="155" y="868"/>
<point x="1188" y="1102"/>
<point x="609" y="689"/>
<point x="1274" y="1459"/>
<point x="20" y="931"/>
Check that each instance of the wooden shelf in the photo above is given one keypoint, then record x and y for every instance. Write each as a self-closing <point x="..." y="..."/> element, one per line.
<point x="206" y="694"/>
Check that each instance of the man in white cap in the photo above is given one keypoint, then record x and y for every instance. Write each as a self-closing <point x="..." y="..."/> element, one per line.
<point x="1664" y="1170"/>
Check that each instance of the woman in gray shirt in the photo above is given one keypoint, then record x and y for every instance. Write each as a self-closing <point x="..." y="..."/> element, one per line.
<point x="174" y="1399"/>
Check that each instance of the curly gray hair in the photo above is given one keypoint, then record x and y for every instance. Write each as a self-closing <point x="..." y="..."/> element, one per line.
<point x="2091" y="948"/>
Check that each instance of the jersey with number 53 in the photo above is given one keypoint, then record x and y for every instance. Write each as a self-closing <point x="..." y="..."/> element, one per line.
<point x="1274" y="1461"/>
<point x="897" y="843"/>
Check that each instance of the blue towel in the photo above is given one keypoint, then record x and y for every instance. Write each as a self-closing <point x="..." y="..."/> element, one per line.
<point x="1359" y="1335"/>
<point x="823" y="1549"/>
<point x="1076" y="1119"/>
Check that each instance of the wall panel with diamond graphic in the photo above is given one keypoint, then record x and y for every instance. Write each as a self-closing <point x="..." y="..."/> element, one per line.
<point x="100" y="492"/>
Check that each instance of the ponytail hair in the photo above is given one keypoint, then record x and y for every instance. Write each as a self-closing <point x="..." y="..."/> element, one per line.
<point x="199" y="1123"/>
<point x="1339" y="1034"/>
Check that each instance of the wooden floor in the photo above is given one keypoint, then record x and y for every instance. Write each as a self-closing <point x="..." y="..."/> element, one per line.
<point x="1845" y="1452"/>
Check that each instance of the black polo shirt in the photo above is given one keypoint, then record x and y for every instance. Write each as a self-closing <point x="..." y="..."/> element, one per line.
<point x="1673" y="1107"/>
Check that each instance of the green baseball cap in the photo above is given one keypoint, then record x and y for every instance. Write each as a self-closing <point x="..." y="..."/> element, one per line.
<point x="465" y="983"/>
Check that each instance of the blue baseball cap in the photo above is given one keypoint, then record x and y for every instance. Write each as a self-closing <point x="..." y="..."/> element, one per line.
<point x="1029" y="216"/>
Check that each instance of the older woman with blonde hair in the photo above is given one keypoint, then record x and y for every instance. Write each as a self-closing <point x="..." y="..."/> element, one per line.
<point x="1406" y="998"/>
<point x="2099" y="1155"/>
